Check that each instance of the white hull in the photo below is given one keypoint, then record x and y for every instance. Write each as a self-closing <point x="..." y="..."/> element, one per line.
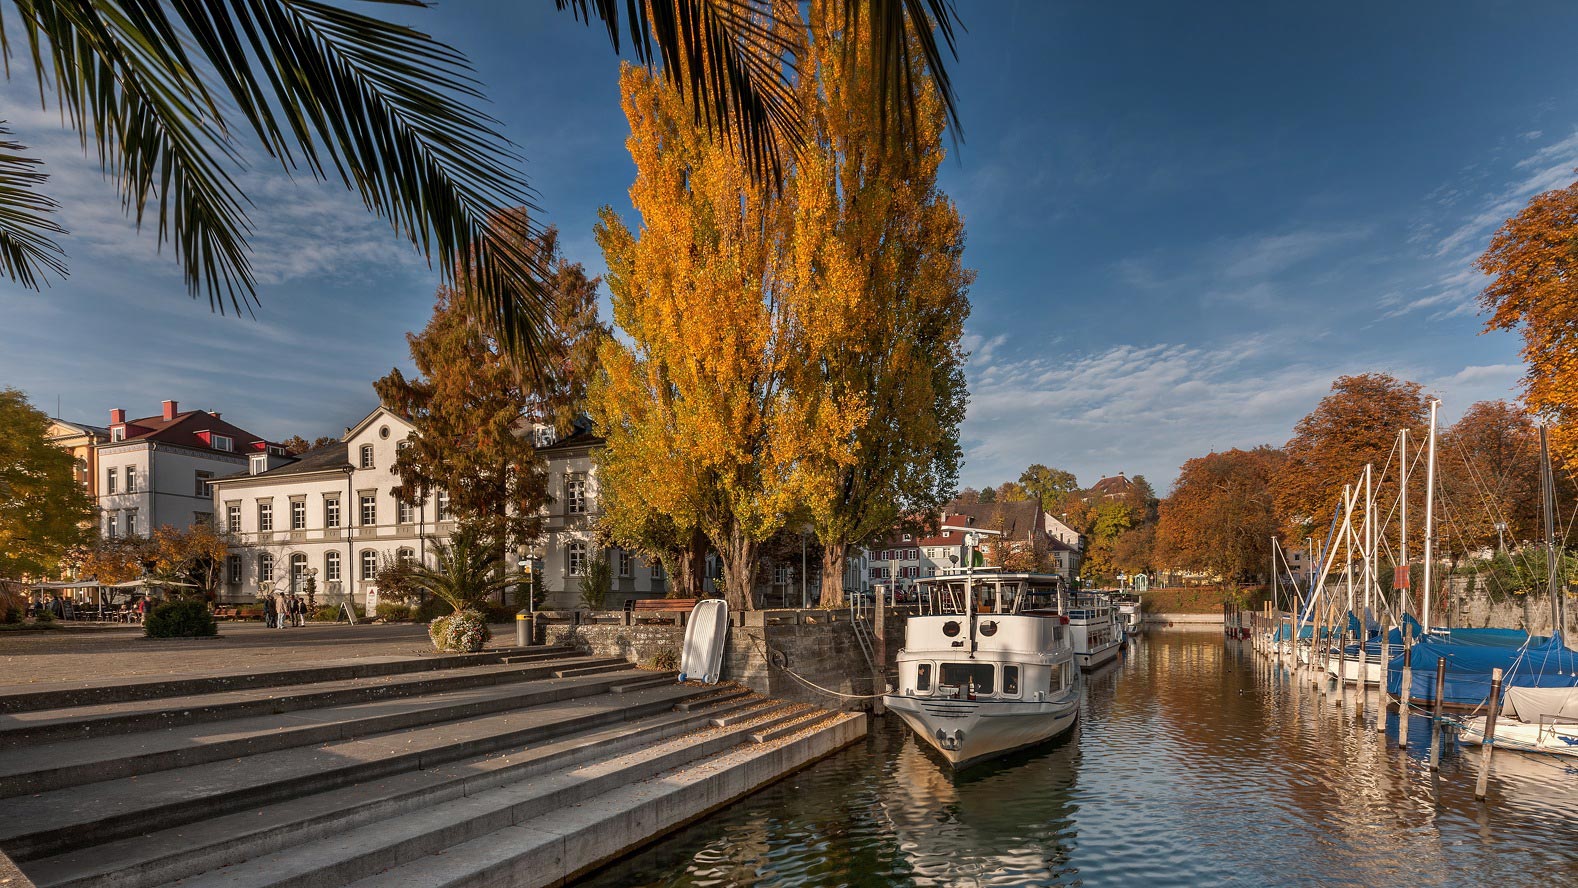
<point x="966" y="732"/>
<point x="1373" y="673"/>
<point x="1098" y="657"/>
<point x="1557" y="739"/>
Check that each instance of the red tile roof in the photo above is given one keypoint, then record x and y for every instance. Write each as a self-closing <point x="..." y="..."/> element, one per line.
<point x="190" y="429"/>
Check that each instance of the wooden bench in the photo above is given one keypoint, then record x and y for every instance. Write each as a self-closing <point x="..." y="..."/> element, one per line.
<point x="224" y="612"/>
<point x="661" y="610"/>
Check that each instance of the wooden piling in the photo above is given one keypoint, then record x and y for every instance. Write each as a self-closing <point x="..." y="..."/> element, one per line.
<point x="1381" y="700"/>
<point x="879" y="678"/>
<point x="1404" y="692"/>
<point x="1435" y="721"/>
<point x="1490" y="734"/>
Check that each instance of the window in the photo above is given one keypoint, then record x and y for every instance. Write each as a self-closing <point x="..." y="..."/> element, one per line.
<point x="575" y="494"/>
<point x="233" y="517"/>
<point x="265" y="516"/>
<point x="131" y="479"/>
<point x="383" y="431"/>
<point x="110" y="525"/>
<point x="626" y="564"/>
<point x="331" y="566"/>
<point x="130" y="521"/>
<point x="202" y="488"/>
<point x="406" y="555"/>
<point x="404" y="509"/>
<point x="369" y="565"/>
<point x="259" y="463"/>
<point x="298" y="514"/>
<point x="203" y="518"/>
<point x="781" y="575"/>
<point x="441" y="506"/>
<point x="575" y="553"/>
<point x="331" y="511"/>
<point x="265" y="568"/>
<point x="914" y="555"/>
<point x="118" y="433"/>
<point x="369" y="509"/>
<point x="1011" y="681"/>
<point x="221" y="442"/>
<point x="233" y="569"/>
<point x="298" y="570"/>
<point x="109" y="482"/>
<point x="923" y="677"/>
<point x="657" y="570"/>
<point x="964" y="674"/>
<point x="876" y="573"/>
<point x="367" y="456"/>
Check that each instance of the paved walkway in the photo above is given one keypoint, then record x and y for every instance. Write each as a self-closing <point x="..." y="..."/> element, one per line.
<point x="51" y="657"/>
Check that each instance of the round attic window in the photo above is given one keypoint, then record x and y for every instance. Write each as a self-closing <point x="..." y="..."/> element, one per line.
<point x="383" y="432"/>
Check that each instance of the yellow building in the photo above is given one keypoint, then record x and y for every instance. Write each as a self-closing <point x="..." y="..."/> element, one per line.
<point x="82" y="442"/>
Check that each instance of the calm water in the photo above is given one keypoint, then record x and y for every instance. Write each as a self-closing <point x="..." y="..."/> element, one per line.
<point x="1194" y="763"/>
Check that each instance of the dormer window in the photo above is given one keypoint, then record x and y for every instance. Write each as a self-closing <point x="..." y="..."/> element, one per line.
<point x="221" y="442"/>
<point x="118" y="433"/>
<point x="259" y="463"/>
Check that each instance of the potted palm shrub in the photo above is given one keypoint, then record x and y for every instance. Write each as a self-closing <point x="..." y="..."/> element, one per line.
<point x="467" y="569"/>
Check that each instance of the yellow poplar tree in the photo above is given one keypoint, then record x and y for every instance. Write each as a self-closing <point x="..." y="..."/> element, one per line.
<point x="690" y="401"/>
<point x="878" y="302"/>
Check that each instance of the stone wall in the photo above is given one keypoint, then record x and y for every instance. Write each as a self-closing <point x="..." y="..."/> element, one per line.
<point x="1530" y="612"/>
<point x="763" y="648"/>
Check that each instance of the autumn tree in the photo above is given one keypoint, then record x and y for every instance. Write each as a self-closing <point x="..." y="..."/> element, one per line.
<point x="44" y="512"/>
<point x="1220" y="517"/>
<point x="111" y="561"/>
<point x="296" y="445"/>
<point x="1489" y="469"/>
<point x="472" y="406"/>
<point x="1356" y="424"/>
<point x="877" y="300"/>
<point x="189" y="559"/>
<point x="690" y="399"/>
<point x="1048" y="486"/>
<point x="1532" y="261"/>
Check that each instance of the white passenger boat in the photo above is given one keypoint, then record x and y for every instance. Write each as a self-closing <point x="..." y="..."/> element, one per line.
<point x="990" y="669"/>
<point x="1130" y="614"/>
<point x="1094" y="629"/>
<point x="1531" y="720"/>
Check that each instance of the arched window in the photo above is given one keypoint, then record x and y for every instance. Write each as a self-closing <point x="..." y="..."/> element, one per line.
<point x="265" y="568"/>
<point x="331" y="567"/>
<point x="406" y="555"/>
<point x="367" y="456"/>
<point x="298" y="570"/>
<point x="369" y="565"/>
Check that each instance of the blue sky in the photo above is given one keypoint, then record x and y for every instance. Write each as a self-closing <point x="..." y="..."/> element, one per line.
<point x="1186" y="219"/>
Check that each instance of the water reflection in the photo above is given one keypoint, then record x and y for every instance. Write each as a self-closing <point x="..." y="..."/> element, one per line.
<point x="1195" y="762"/>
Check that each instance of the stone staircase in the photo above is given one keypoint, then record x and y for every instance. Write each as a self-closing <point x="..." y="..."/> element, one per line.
<point x="518" y="767"/>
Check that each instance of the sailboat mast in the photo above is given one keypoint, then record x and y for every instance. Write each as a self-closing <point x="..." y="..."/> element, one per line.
<point x="1430" y="513"/>
<point x="1369" y="551"/>
<point x="1548" y="497"/>
<point x="1407" y="594"/>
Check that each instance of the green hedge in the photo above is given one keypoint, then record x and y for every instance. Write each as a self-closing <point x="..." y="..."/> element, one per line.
<point x="186" y="618"/>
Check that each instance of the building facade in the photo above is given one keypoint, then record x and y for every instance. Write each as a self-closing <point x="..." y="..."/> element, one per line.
<point x="904" y="558"/>
<point x="157" y="470"/>
<point x="82" y="442"/>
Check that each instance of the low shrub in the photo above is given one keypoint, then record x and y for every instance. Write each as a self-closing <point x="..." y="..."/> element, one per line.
<point x="45" y="617"/>
<point x="462" y="632"/>
<point x="10" y="614"/>
<point x="394" y="612"/>
<point x="184" y="618"/>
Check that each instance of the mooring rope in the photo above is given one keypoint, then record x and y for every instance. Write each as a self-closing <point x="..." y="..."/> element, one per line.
<point x="767" y="656"/>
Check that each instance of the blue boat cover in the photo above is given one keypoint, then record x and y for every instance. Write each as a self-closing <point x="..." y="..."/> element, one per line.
<point x="1541" y="663"/>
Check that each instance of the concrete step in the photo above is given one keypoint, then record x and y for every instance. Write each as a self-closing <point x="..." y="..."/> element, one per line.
<point x="53" y="766"/>
<point x="761" y="708"/>
<point x="166" y="855"/>
<point x="727" y="692"/>
<point x="794" y="725"/>
<point x="557" y="846"/>
<point x="27" y="698"/>
<point x="82" y="722"/>
<point x="607" y="665"/>
<point x="69" y="819"/>
<point x="651" y="680"/>
<point x="370" y="850"/>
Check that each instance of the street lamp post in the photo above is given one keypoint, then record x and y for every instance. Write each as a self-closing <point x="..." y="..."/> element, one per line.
<point x="804" y="601"/>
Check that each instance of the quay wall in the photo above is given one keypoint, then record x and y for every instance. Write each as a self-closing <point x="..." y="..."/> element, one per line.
<point x="765" y="650"/>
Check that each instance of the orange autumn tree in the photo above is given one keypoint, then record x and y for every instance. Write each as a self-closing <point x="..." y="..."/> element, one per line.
<point x="691" y="399"/>
<point x="1219" y="518"/>
<point x="877" y="302"/>
<point x="1532" y="261"/>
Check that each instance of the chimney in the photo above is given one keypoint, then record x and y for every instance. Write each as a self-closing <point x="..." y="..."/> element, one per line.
<point x="169" y="410"/>
<point x="214" y="413"/>
<point x="118" y="416"/>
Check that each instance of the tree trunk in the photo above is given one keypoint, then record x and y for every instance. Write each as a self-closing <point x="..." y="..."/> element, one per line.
<point x="738" y="557"/>
<point x="833" y="555"/>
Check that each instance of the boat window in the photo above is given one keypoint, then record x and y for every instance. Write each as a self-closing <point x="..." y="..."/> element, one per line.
<point x="1011" y="680"/>
<point x="962" y="674"/>
<point x="923" y="677"/>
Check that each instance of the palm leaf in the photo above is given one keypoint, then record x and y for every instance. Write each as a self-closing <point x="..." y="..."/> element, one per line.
<point x="163" y="90"/>
<point x="731" y="62"/>
<point x="28" y="253"/>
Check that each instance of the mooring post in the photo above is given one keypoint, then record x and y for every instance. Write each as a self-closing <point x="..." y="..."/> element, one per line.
<point x="1342" y="663"/>
<point x="1490" y="734"/>
<point x="1386" y="674"/>
<point x="880" y="668"/>
<point x="1405" y="691"/>
<point x="1435" y="722"/>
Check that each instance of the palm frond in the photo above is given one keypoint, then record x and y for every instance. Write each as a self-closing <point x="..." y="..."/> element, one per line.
<point x="28" y="252"/>
<point x="163" y="89"/>
<point x="732" y="63"/>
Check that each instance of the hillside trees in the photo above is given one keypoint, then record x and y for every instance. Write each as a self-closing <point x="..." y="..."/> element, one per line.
<point x="1048" y="486"/>
<point x="1220" y="517"/>
<point x="1489" y="466"/>
<point x="44" y="513"/>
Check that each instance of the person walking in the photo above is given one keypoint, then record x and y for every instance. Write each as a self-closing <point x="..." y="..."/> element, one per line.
<point x="298" y="610"/>
<point x="282" y="608"/>
<point x="269" y="613"/>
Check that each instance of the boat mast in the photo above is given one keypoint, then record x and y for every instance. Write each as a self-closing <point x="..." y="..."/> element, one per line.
<point x="1430" y="513"/>
<point x="1548" y="498"/>
<point x="971" y="540"/>
<point x="1369" y="552"/>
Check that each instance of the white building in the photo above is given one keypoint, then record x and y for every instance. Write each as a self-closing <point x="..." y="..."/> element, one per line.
<point x="336" y="511"/>
<point x="156" y="470"/>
